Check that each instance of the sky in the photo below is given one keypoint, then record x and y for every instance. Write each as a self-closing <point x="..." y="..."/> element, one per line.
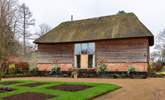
<point x="52" y="12"/>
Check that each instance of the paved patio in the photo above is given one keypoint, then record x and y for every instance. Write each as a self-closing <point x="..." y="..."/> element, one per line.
<point x="132" y="89"/>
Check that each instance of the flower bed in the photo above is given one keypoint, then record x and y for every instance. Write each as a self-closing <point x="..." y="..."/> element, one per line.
<point x="6" y="89"/>
<point x="66" y="87"/>
<point x="9" y="82"/>
<point x="29" y="96"/>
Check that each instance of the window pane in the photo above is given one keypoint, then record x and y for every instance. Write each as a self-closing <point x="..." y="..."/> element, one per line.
<point x="78" y="61"/>
<point x="91" y="48"/>
<point x="84" y="47"/>
<point x="90" y="61"/>
<point x="77" y="49"/>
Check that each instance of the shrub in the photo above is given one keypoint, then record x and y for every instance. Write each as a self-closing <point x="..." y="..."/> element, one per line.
<point x="115" y="75"/>
<point x="163" y="69"/>
<point x="131" y="71"/>
<point x="119" y="75"/>
<point x="11" y="69"/>
<point x="35" y="72"/>
<point x="22" y="66"/>
<point x="3" y="68"/>
<point x="101" y="68"/>
<point x="157" y="66"/>
<point x="55" y="69"/>
<point x="92" y="72"/>
<point x="124" y="75"/>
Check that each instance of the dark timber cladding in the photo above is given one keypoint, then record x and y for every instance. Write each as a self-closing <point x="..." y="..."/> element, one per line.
<point x="62" y="53"/>
<point x="123" y="50"/>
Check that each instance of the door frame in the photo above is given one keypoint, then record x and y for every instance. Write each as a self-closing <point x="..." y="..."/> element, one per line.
<point x="94" y="56"/>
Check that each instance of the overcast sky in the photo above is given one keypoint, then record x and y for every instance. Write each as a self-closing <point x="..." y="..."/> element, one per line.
<point x="53" y="12"/>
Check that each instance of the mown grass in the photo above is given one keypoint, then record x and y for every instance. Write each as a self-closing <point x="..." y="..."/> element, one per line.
<point x="86" y="94"/>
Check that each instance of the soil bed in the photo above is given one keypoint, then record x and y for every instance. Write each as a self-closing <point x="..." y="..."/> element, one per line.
<point x="34" y="84"/>
<point x="29" y="96"/>
<point x="6" y="89"/>
<point x="9" y="82"/>
<point x="71" y="88"/>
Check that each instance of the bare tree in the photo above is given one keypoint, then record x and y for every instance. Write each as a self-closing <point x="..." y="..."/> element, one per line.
<point x="26" y="20"/>
<point x="160" y="38"/>
<point x="8" y="20"/>
<point x="43" y="28"/>
<point x="159" y="53"/>
<point x="161" y="41"/>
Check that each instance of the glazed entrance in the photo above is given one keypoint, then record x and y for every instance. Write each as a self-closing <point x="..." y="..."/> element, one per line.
<point x="84" y="55"/>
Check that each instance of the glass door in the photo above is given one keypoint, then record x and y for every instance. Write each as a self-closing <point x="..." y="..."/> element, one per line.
<point x="84" y="55"/>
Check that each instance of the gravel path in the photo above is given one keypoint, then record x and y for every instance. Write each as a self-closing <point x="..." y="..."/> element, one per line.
<point x="132" y="89"/>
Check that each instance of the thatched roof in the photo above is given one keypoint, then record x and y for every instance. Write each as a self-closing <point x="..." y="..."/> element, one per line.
<point x="122" y="25"/>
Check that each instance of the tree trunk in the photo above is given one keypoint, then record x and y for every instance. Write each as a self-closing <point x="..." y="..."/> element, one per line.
<point x="24" y="31"/>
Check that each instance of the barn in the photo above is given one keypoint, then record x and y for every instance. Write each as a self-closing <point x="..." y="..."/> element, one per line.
<point x="119" y="41"/>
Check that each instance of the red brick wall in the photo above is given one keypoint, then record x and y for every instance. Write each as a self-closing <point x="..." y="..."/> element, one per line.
<point x="48" y="67"/>
<point x="140" y="67"/>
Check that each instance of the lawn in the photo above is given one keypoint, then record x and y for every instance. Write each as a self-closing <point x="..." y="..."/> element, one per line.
<point x="56" y="90"/>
